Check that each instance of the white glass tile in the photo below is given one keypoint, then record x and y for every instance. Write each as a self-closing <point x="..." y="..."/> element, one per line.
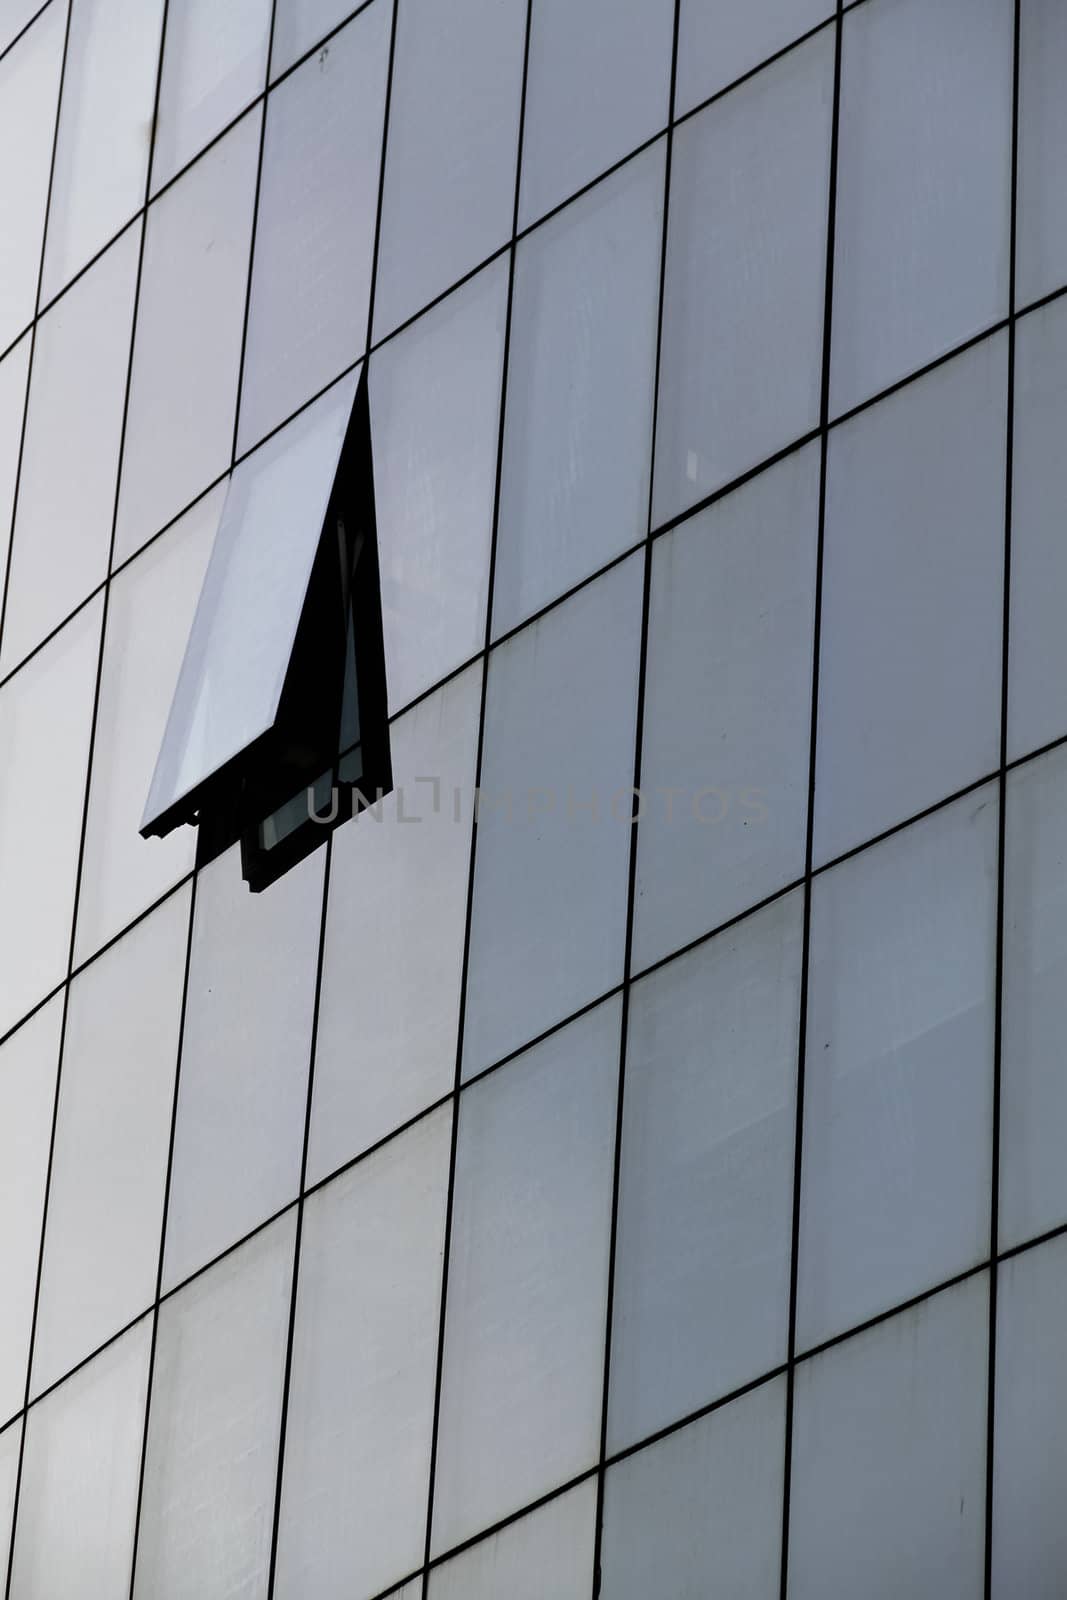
<point x="1041" y="240"/>
<point x="10" y="1444"/>
<point x="300" y="24"/>
<point x="548" y="1553"/>
<point x="214" y="64"/>
<point x="29" y="85"/>
<point x="13" y="373"/>
<point x="719" y="40"/>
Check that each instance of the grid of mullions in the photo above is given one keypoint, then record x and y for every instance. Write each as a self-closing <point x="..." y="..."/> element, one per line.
<point x="563" y="1070"/>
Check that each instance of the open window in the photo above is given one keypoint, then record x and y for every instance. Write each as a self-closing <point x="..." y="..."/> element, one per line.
<point x="279" y="729"/>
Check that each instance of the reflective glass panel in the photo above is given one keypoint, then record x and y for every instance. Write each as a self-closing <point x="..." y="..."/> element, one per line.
<point x="719" y="41"/>
<point x="214" y="63"/>
<point x="29" y="84"/>
<point x="549" y="1552"/>
<point x="1041" y="242"/>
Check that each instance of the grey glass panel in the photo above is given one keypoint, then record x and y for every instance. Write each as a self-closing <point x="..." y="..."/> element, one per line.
<point x="105" y="125"/>
<point x="78" y="1498"/>
<point x="549" y="1552"/>
<point x="701" y="1303"/>
<point x="187" y="348"/>
<point x="1033" y="1178"/>
<point x="598" y="85"/>
<point x="550" y="884"/>
<point x="923" y="186"/>
<point x="150" y="608"/>
<point x="745" y="287"/>
<point x="889" y="1449"/>
<point x="299" y="24"/>
<point x="435" y="412"/>
<point x="109" y="1166"/>
<point x="393" y="963"/>
<point x="899" y="1084"/>
<point x="45" y="712"/>
<point x="1041" y="259"/>
<point x="27" y="1093"/>
<point x="727" y="730"/>
<point x="307" y="316"/>
<point x="913" y="567"/>
<point x="246" y="1046"/>
<point x="214" y="63"/>
<point x="70" y="458"/>
<point x="1030" y="1438"/>
<point x="29" y="84"/>
<point x="528" y="1271"/>
<point x="578" y="440"/>
<point x="211" y="1465"/>
<point x="14" y="16"/>
<point x="361" y="1405"/>
<point x="1037" y="638"/>
<point x="10" y="1445"/>
<point x="453" y="141"/>
<point x="700" y="1513"/>
<point x="246" y="619"/>
<point x="718" y="40"/>
<point x="13" y="373"/>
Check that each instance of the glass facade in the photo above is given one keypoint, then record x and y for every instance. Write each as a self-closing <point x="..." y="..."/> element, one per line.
<point x="626" y="1160"/>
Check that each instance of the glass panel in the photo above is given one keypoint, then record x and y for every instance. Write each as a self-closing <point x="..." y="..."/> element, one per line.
<point x="923" y="187"/>
<point x="361" y="1404"/>
<point x="1033" y="1111"/>
<point x="701" y="1512"/>
<point x="393" y="965"/>
<point x="82" y="1464"/>
<point x="211" y="1466"/>
<point x="435" y="414"/>
<point x="746" y="269"/>
<point x="246" y="620"/>
<point x="45" y="712"/>
<point x="899" y="1084"/>
<point x="105" y="123"/>
<point x="719" y="41"/>
<point x="547" y="1553"/>
<point x="109" y="1168"/>
<point x="187" y="348"/>
<point x="706" y="1189"/>
<point x="149" y="611"/>
<point x="299" y="24"/>
<point x="727" y="730"/>
<point x="578" y="442"/>
<point x="13" y="373"/>
<point x="27" y="1095"/>
<point x="214" y="63"/>
<point x="528" y="1278"/>
<point x="912" y="607"/>
<point x="29" y="85"/>
<point x="598" y="85"/>
<point x="10" y="1444"/>
<point x="889" y="1451"/>
<point x="554" y="823"/>
<point x="453" y="140"/>
<point x="1041" y="260"/>
<point x="14" y="16"/>
<point x="69" y="473"/>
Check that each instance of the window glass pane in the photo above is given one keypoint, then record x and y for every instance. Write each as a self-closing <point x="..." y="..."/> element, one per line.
<point x="109" y="1168"/>
<point x="13" y="372"/>
<point x="453" y="141"/>
<point x="889" y="1450"/>
<point x="214" y="63"/>
<point x="727" y="730"/>
<point x="1033" y="1112"/>
<point x="554" y="822"/>
<point x="29" y="84"/>
<point x="923" y="186"/>
<point x="109" y="93"/>
<point x="598" y="85"/>
<point x="10" y="1444"/>
<point x="705" y="1220"/>
<point x="528" y="1278"/>
<point x="242" y="636"/>
<point x="27" y="1094"/>
<point x="211" y="1466"/>
<point x="549" y="1552"/>
<point x="913" y="570"/>
<point x="70" y="459"/>
<point x="45" y="712"/>
<point x="743" y="310"/>
<point x="1041" y="260"/>
<point x="577" y="450"/>
<point x="187" y="348"/>
<point x="82" y="1463"/>
<point x="393" y="965"/>
<point x="899" y="1083"/>
<point x="357" y="1456"/>
<point x="719" y="40"/>
<point x="14" y="16"/>
<point x="700" y="1513"/>
<point x="435" y="414"/>
<point x="299" y="24"/>
<point x="149" y="611"/>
